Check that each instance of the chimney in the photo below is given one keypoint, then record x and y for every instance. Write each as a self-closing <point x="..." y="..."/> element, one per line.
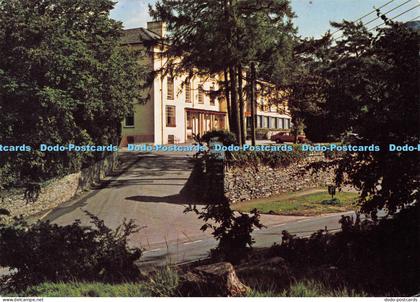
<point x="158" y="27"/>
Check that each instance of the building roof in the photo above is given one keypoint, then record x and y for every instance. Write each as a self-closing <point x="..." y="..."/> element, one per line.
<point x="138" y="36"/>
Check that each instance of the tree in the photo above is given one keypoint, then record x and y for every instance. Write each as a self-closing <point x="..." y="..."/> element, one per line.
<point x="224" y="37"/>
<point x="63" y="79"/>
<point x="370" y="88"/>
<point x="307" y="85"/>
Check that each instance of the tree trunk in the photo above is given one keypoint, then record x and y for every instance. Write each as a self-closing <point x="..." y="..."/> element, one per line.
<point x="253" y="102"/>
<point x="230" y="85"/>
<point x="241" y="104"/>
<point x="234" y="102"/>
<point x="227" y="96"/>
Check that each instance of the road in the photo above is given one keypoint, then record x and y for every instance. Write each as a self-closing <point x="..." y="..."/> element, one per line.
<point x="266" y="237"/>
<point x="147" y="189"/>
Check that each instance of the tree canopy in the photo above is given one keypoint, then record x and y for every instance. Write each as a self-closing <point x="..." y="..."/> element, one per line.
<point x="226" y="36"/>
<point x="365" y="85"/>
<point x="63" y="79"/>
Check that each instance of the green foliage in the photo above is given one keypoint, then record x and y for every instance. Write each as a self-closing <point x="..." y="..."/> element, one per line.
<point x="163" y="282"/>
<point x="78" y="289"/>
<point x="365" y="85"/>
<point x="233" y="233"/>
<point x="301" y="204"/>
<point x="225" y="137"/>
<point x="377" y="258"/>
<point x="63" y="79"/>
<point x="45" y="252"/>
<point x="244" y="31"/>
<point x="232" y="229"/>
<point x="308" y="288"/>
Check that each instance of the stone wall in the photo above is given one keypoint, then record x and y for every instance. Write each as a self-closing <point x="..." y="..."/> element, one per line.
<point x="246" y="183"/>
<point x="58" y="191"/>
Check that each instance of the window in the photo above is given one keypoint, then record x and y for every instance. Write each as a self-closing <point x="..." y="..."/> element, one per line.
<point x="188" y="92"/>
<point x="221" y="122"/>
<point x="248" y="122"/>
<point x="189" y="120"/>
<point x="129" y="120"/>
<point x="212" y="96"/>
<point x="273" y="122"/>
<point x="280" y="123"/>
<point x="171" y="88"/>
<point x="200" y="94"/>
<point x="170" y="116"/>
<point x="266" y="122"/>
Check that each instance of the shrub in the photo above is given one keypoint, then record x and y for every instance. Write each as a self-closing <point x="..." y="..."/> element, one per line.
<point x="163" y="283"/>
<point x="232" y="230"/>
<point x="379" y="257"/>
<point x="225" y="137"/>
<point x="45" y="252"/>
<point x="234" y="234"/>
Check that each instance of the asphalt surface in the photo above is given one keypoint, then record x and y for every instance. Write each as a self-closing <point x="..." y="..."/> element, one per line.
<point x="199" y="249"/>
<point x="147" y="189"/>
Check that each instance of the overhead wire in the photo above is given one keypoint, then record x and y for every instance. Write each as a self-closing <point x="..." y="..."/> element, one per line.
<point x="387" y="12"/>
<point x="368" y="14"/>
<point x="395" y="17"/>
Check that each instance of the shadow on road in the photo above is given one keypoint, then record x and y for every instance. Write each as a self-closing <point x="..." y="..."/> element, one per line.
<point x="175" y="199"/>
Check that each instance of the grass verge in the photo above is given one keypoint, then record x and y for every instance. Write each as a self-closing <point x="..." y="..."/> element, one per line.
<point x="307" y="203"/>
<point x="160" y="283"/>
<point x="80" y="289"/>
<point x="307" y="288"/>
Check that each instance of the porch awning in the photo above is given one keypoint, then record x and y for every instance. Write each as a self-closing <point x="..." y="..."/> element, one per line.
<point x="193" y="110"/>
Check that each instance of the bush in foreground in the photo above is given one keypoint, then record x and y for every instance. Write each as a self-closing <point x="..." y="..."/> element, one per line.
<point x="45" y="252"/>
<point x="376" y="257"/>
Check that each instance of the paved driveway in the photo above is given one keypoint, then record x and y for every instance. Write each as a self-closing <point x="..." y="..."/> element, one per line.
<point x="146" y="190"/>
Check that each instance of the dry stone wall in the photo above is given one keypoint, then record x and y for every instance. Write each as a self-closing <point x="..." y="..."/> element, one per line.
<point x="58" y="191"/>
<point x="246" y="183"/>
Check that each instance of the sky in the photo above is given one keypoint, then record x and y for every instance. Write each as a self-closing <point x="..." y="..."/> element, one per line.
<point x="313" y="16"/>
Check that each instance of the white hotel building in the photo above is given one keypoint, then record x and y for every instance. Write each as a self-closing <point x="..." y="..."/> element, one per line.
<point x="176" y="109"/>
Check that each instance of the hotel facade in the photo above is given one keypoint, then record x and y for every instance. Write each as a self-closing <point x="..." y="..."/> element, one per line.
<point x="176" y="108"/>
